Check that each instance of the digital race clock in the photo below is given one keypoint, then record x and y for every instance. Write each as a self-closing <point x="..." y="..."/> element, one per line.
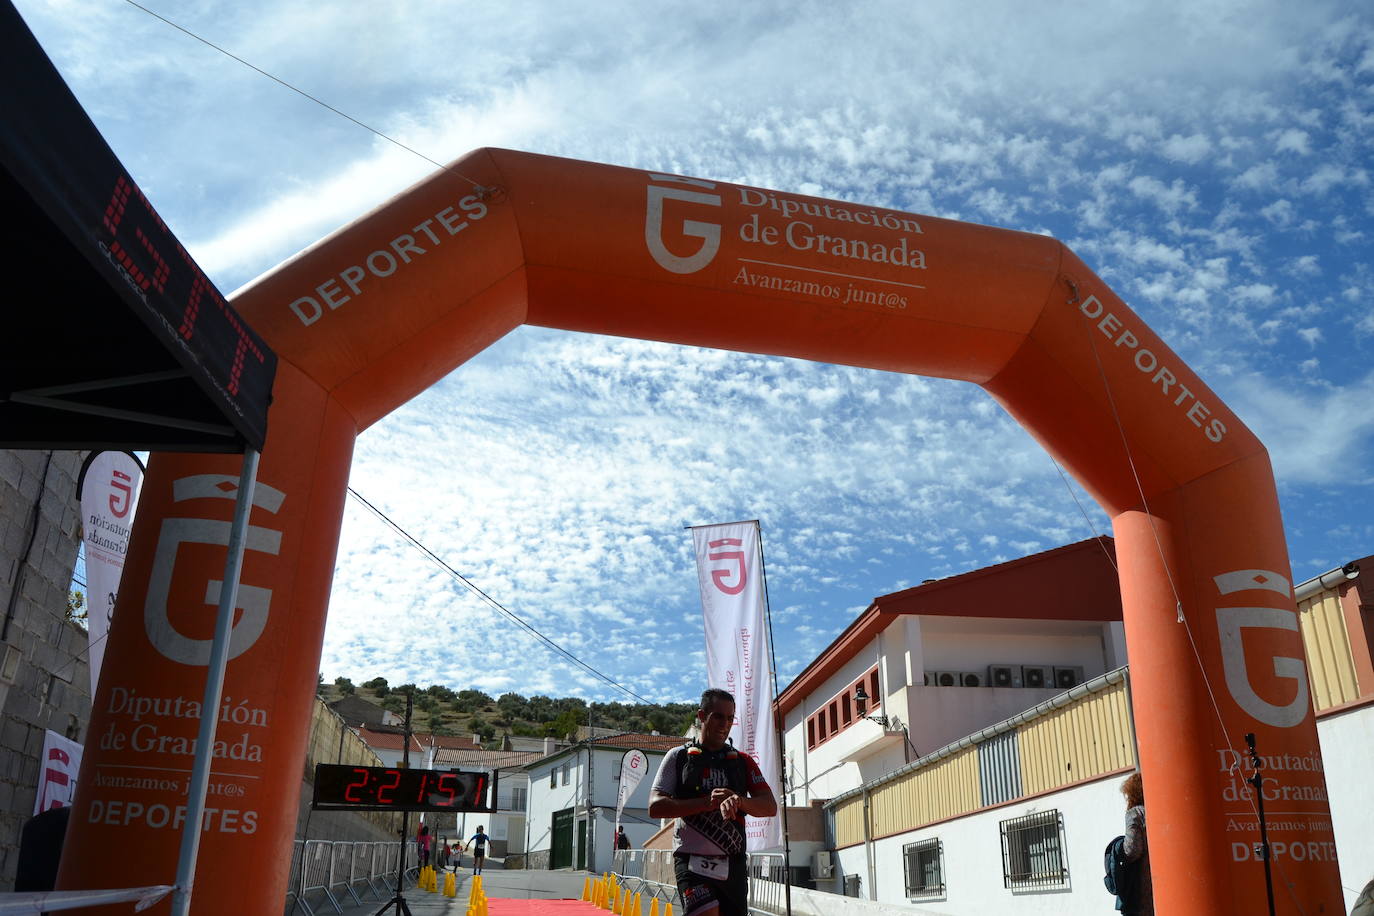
<point x="342" y="787"/>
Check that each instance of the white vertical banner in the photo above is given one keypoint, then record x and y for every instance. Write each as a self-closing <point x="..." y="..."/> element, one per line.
<point x="730" y="574"/>
<point x="633" y="766"/>
<point x="109" y="492"/>
<point x="57" y="770"/>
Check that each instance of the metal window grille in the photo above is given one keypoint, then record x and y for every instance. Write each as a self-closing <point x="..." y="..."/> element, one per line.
<point x="1033" y="851"/>
<point x="925" y="873"/>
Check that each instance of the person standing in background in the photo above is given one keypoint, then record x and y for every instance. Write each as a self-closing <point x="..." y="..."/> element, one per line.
<point x="1136" y="848"/>
<point x="422" y="844"/>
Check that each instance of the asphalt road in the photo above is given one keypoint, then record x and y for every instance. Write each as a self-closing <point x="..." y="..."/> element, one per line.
<point x="519" y="884"/>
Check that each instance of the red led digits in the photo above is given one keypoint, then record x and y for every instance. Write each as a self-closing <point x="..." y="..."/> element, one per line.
<point x="114" y="210"/>
<point x="352" y="793"/>
<point x="390" y="780"/>
<point x="343" y="786"/>
<point x="163" y="270"/>
<point x="152" y="236"/>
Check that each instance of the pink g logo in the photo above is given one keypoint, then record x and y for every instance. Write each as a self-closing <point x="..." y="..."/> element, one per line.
<point x="718" y="576"/>
<point x="119" y="504"/>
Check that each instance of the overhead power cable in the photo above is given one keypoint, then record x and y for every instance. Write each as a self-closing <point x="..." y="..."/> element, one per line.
<point x="302" y="92"/>
<point x="511" y="615"/>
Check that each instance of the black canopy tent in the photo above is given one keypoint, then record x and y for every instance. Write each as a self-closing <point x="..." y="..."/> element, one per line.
<point x="113" y="338"/>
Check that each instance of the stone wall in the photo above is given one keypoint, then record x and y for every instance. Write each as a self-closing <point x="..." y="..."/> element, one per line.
<point x="44" y="680"/>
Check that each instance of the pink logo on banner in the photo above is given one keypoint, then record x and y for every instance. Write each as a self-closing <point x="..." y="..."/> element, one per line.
<point x="61" y="762"/>
<point x="121" y="494"/>
<point x="718" y="576"/>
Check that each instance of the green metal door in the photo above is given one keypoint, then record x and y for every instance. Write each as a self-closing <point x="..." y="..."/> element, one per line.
<point x="582" y="845"/>
<point x="561" y="848"/>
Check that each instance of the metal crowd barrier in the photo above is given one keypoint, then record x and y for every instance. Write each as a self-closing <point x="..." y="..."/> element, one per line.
<point x="651" y="872"/>
<point x="767" y="883"/>
<point x="327" y="871"/>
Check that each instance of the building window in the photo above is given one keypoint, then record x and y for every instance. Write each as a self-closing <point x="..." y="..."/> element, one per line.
<point x="517" y="798"/>
<point x="553" y="778"/>
<point x="1033" y="851"/>
<point x="842" y="711"/>
<point x="567" y="768"/>
<point x="925" y="872"/>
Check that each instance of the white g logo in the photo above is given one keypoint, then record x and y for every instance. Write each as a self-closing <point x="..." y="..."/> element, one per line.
<point x="1232" y="621"/>
<point x="253" y="601"/>
<point x="709" y="233"/>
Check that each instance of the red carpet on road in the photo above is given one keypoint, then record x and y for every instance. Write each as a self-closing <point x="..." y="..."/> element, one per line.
<point x="497" y="906"/>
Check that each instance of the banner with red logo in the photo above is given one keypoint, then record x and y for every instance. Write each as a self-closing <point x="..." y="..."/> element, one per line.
<point x="730" y="573"/>
<point x="57" y="770"/>
<point x="109" y="492"/>
<point x="633" y="766"/>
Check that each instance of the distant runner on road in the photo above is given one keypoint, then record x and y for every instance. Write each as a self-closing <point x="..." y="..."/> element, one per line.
<point x="479" y="849"/>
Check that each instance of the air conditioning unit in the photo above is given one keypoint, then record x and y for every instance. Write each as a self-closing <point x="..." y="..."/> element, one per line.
<point x="970" y="679"/>
<point x="942" y="679"/>
<point x="1004" y="675"/>
<point x="1037" y="676"/>
<point x="823" y="864"/>
<point x="1067" y="677"/>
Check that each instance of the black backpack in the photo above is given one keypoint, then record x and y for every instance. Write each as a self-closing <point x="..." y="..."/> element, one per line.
<point x="692" y="770"/>
<point x="1121" y="877"/>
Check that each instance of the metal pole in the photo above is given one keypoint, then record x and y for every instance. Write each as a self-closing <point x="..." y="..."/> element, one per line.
<point x="405" y="815"/>
<point x="782" y="737"/>
<point x="214" y="687"/>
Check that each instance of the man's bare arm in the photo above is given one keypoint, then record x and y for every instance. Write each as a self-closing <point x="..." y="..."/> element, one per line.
<point x="661" y="805"/>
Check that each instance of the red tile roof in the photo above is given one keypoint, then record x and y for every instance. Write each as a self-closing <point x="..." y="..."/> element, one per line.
<point x="633" y="741"/>
<point x="483" y="760"/>
<point x="419" y="741"/>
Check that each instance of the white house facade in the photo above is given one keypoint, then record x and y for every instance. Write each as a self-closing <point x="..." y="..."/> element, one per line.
<point x="572" y="801"/>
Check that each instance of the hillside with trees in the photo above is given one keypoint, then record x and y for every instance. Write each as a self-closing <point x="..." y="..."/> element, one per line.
<point x="444" y="711"/>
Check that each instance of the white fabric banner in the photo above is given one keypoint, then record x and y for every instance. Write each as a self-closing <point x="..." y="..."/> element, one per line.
<point x="109" y="493"/>
<point x="57" y="770"/>
<point x="730" y="574"/>
<point x="633" y="766"/>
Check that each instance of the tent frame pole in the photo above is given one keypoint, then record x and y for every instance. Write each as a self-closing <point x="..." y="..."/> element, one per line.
<point x="214" y="686"/>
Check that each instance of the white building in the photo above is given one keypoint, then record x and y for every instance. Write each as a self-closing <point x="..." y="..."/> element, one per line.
<point x="1014" y="814"/>
<point x="939" y="661"/>
<point x="572" y="801"/>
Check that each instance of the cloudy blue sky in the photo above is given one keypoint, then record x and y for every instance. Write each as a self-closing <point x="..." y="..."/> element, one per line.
<point x="1210" y="160"/>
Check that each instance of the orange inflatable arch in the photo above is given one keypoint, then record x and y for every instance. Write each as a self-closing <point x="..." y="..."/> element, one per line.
<point x="382" y="309"/>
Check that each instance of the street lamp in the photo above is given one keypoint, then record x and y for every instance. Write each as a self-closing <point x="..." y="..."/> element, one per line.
<point x="861" y="703"/>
